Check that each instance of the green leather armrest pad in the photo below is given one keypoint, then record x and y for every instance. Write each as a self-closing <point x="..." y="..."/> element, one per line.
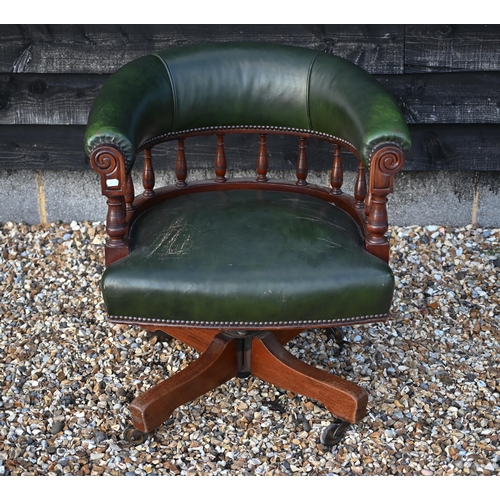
<point x="258" y="84"/>
<point x="247" y="255"/>
<point x="134" y="104"/>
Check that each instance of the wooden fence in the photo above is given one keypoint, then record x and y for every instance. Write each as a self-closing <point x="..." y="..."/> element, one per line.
<point x="446" y="79"/>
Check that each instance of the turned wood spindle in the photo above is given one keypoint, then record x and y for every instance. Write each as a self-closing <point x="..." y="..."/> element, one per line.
<point x="181" y="165"/>
<point x="262" y="159"/>
<point x="130" y="194"/>
<point x="360" y="187"/>
<point x="302" y="167"/>
<point x="369" y="197"/>
<point x="220" y="160"/>
<point x="148" y="175"/>
<point x="377" y="219"/>
<point x="116" y="225"/>
<point x="337" y="174"/>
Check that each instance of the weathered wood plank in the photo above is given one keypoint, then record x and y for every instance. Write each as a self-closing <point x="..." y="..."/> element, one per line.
<point x="435" y="147"/>
<point x="35" y="147"/>
<point x="454" y="147"/>
<point x="28" y="99"/>
<point x="61" y="147"/>
<point x="451" y="48"/>
<point x="447" y="97"/>
<point x="104" y="48"/>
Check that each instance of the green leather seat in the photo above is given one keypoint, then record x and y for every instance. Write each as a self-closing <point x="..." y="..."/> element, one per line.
<point x="247" y="258"/>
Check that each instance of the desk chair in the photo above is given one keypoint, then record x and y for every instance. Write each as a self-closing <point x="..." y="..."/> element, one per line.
<point x="237" y="267"/>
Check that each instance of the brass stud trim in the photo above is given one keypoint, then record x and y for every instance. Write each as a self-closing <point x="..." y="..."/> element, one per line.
<point x="236" y="324"/>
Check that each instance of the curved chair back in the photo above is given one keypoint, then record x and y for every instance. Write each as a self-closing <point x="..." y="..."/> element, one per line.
<point x="244" y="84"/>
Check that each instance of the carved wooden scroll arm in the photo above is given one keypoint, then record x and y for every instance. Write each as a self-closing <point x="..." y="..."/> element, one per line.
<point x="109" y="162"/>
<point x="386" y="161"/>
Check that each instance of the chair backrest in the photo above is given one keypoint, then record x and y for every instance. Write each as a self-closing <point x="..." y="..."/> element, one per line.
<point x="258" y="88"/>
<point x="244" y="84"/>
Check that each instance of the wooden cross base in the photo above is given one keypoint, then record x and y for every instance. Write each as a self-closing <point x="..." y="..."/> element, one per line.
<point x="265" y="358"/>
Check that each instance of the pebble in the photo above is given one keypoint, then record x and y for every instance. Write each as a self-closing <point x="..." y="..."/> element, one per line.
<point x="57" y="427"/>
<point x="67" y="375"/>
<point x="100" y="437"/>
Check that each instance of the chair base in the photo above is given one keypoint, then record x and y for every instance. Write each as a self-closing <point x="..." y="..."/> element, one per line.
<point x="257" y="353"/>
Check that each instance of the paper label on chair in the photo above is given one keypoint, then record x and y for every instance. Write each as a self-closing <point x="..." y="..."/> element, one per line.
<point x="112" y="182"/>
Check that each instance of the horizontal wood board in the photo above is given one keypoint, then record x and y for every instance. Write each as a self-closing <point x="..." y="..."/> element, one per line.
<point x="452" y="48"/>
<point x="446" y="79"/>
<point x="65" y="99"/>
<point x="104" y="48"/>
<point x="380" y="49"/>
<point x="435" y="147"/>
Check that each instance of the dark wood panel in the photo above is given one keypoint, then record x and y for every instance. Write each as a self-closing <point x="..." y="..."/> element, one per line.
<point x="36" y="147"/>
<point x="241" y="152"/>
<point x="104" y="48"/>
<point x="450" y="48"/>
<point x="61" y="147"/>
<point x="435" y="147"/>
<point x="52" y="99"/>
<point x="455" y="147"/>
<point x="447" y="97"/>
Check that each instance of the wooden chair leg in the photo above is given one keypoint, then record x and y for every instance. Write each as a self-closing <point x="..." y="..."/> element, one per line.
<point x="273" y="363"/>
<point x="215" y="366"/>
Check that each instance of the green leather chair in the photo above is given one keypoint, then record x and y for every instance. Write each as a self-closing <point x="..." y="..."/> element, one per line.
<point x="238" y="267"/>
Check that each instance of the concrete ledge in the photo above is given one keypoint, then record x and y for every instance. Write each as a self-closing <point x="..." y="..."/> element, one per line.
<point x="488" y="199"/>
<point x="420" y="198"/>
<point x="18" y="196"/>
<point x="442" y="198"/>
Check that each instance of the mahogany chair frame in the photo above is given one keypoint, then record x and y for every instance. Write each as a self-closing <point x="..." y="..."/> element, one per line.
<point x="229" y="349"/>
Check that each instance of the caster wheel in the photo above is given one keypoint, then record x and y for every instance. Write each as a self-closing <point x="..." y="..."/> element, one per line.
<point x="337" y="336"/>
<point x="133" y="436"/>
<point x="334" y="433"/>
<point x="160" y="335"/>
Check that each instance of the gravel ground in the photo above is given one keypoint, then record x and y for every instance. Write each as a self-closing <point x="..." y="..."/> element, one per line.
<point x="67" y="375"/>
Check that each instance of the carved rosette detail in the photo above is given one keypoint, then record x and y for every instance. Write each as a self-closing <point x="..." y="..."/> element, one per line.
<point x="108" y="161"/>
<point x="105" y="160"/>
<point x="385" y="163"/>
<point x="388" y="159"/>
